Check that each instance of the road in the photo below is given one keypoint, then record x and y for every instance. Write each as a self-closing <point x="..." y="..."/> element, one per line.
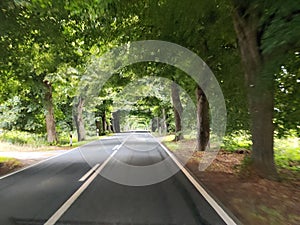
<point x="122" y="179"/>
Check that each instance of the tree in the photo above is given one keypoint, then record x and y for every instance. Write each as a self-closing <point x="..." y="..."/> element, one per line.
<point x="32" y="45"/>
<point x="177" y="107"/>
<point x="47" y="35"/>
<point x="78" y="118"/>
<point x="202" y="120"/>
<point x="287" y="102"/>
<point x="265" y="31"/>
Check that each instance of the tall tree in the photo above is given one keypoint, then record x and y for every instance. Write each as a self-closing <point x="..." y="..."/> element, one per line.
<point x="177" y="107"/>
<point x="50" y="119"/>
<point x="265" y="31"/>
<point x="202" y="120"/>
<point x="78" y="118"/>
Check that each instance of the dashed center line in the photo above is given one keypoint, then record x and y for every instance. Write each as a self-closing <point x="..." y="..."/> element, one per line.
<point x="58" y="214"/>
<point x="116" y="147"/>
<point x="89" y="173"/>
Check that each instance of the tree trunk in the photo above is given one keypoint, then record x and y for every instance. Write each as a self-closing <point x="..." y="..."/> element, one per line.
<point x="98" y="127"/>
<point x="159" y="127"/>
<point x="50" y="120"/>
<point x="116" y="122"/>
<point x="109" y="126"/>
<point x="104" y="124"/>
<point x="163" y="122"/>
<point x="177" y="107"/>
<point x="202" y="120"/>
<point x="260" y="95"/>
<point x="78" y="117"/>
<point x="153" y="125"/>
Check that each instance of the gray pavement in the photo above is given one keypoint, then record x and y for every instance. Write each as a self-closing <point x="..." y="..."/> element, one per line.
<point x="34" y="195"/>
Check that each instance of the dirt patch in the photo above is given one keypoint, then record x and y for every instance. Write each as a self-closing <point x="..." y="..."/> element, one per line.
<point x="10" y="166"/>
<point x="252" y="200"/>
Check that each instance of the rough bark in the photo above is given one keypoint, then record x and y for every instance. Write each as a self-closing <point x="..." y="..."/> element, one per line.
<point x="163" y="122"/>
<point x="104" y="124"/>
<point x="50" y="120"/>
<point x="177" y="108"/>
<point x="260" y="95"/>
<point x="109" y="126"/>
<point x="116" y="122"/>
<point x="78" y="117"/>
<point x="98" y="127"/>
<point x="153" y="125"/>
<point x="202" y="120"/>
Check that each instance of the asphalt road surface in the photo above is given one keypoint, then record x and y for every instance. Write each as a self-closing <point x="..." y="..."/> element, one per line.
<point x="112" y="181"/>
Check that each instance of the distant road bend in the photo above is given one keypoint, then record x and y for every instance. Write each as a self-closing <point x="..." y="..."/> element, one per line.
<point x="68" y="189"/>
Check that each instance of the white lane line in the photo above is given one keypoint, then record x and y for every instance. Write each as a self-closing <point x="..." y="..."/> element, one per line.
<point x="226" y="218"/>
<point x="84" y="177"/>
<point x="116" y="147"/>
<point x="40" y="162"/>
<point x="58" y="214"/>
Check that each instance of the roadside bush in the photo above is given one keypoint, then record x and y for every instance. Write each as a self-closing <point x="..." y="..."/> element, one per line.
<point x="286" y="150"/>
<point x="287" y="153"/>
<point x="236" y="141"/>
<point x="21" y="137"/>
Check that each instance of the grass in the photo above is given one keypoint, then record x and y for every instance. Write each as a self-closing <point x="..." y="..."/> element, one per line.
<point x="10" y="161"/>
<point x="8" y="165"/>
<point x="4" y="159"/>
<point x="168" y="140"/>
<point x="25" y="142"/>
<point x="78" y="144"/>
<point x="286" y="150"/>
<point x="236" y="141"/>
<point x="287" y="153"/>
<point x="21" y="137"/>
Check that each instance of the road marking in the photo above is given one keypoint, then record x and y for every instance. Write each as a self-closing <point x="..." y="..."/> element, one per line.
<point x="58" y="214"/>
<point x="89" y="173"/>
<point x="42" y="161"/>
<point x="226" y="218"/>
<point x="36" y="164"/>
<point x="116" y="147"/>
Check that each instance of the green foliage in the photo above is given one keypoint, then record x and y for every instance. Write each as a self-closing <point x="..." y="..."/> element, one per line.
<point x="10" y="112"/>
<point x="4" y="159"/>
<point x="287" y="101"/>
<point x="20" y="137"/>
<point x="286" y="150"/>
<point x="287" y="153"/>
<point x="237" y="140"/>
<point x="53" y="40"/>
<point x="23" y="113"/>
<point x="280" y="28"/>
<point x="10" y="163"/>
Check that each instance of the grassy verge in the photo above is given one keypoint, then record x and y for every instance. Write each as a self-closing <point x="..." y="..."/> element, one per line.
<point x="287" y="153"/>
<point x="9" y="160"/>
<point x="8" y="165"/>
<point x="252" y="200"/>
<point x="286" y="150"/>
<point x="24" y="141"/>
<point x="22" y="138"/>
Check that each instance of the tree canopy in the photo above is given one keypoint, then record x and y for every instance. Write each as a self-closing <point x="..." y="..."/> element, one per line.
<point x="47" y="46"/>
